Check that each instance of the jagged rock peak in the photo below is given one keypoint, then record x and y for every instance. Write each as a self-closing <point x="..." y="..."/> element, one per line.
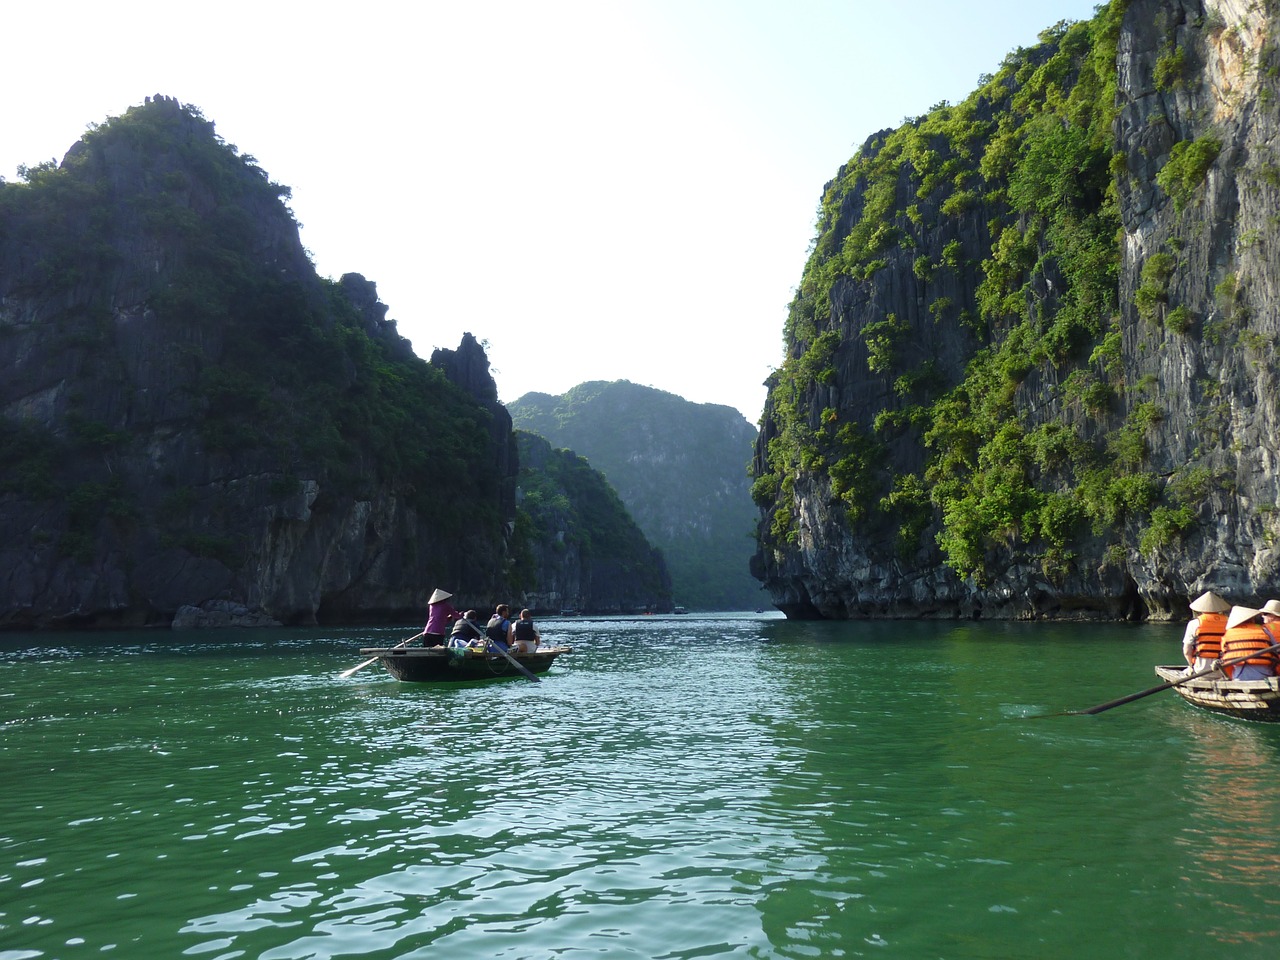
<point x="363" y="295"/>
<point x="468" y="367"/>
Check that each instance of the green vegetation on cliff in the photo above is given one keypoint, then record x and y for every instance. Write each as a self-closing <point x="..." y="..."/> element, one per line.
<point x="1016" y="186"/>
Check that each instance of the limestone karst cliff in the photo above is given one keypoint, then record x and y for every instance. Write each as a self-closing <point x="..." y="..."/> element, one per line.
<point x="197" y="429"/>
<point x="1029" y="364"/>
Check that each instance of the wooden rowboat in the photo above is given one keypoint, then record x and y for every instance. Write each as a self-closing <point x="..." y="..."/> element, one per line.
<point x="1249" y="699"/>
<point x="432" y="664"/>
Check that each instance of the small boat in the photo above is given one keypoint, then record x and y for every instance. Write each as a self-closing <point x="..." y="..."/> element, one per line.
<point x="424" y="664"/>
<point x="1248" y="699"/>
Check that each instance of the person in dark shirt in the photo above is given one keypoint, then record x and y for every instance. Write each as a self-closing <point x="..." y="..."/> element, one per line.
<point x="499" y="624"/>
<point x="523" y="636"/>
<point x="465" y="632"/>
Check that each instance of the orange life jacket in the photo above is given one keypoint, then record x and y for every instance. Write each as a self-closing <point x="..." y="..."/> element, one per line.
<point x="1209" y="635"/>
<point x="1244" y="639"/>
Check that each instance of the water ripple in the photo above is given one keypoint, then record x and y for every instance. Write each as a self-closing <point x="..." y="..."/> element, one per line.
<point x="675" y="788"/>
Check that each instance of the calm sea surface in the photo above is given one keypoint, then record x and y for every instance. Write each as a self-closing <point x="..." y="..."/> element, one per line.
<point x="679" y="787"/>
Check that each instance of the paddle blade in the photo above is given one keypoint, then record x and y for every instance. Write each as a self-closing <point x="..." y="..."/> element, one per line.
<point x="359" y="666"/>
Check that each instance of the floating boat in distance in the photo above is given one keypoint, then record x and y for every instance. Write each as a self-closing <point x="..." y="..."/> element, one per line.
<point x="679" y="610"/>
<point x="1248" y="699"/>
<point x="433" y="664"/>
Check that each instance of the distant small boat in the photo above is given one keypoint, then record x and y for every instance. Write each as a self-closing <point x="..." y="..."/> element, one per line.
<point x="434" y="664"/>
<point x="1248" y="699"/>
<point x="679" y="610"/>
<point x="568" y="612"/>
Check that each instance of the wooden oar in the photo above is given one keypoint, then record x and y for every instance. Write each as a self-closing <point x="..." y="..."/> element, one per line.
<point x="1163" y="686"/>
<point x="490" y="645"/>
<point x="360" y="666"/>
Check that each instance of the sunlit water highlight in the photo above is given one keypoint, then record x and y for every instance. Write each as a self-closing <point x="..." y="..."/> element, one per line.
<point x="677" y="788"/>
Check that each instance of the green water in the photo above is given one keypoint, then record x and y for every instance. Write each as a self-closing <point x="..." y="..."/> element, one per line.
<point x="677" y="788"/>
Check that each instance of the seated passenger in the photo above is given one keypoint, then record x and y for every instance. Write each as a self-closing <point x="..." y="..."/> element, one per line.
<point x="1271" y="614"/>
<point x="523" y="636"/>
<point x="499" y="625"/>
<point x="1246" y="635"/>
<point x="465" y="633"/>
<point x="1202" y="641"/>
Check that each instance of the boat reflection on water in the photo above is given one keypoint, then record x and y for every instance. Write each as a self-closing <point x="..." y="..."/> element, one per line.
<point x="1233" y="879"/>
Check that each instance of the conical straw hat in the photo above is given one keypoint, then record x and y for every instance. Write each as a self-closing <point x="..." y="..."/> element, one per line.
<point x="1209" y="602"/>
<point x="444" y="595"/>
<point x="1241" y="615"/>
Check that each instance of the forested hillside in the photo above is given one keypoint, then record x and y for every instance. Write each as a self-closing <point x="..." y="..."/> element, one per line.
<point x="681" y="470"/>
<point x="590" y="554"/>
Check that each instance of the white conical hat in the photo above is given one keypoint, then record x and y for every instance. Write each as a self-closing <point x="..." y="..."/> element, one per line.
<point x="439" y="595"/>
<point x="1241" y="615"/>
<point x="1209" y="602"/>
<point x="1272" y="607"/>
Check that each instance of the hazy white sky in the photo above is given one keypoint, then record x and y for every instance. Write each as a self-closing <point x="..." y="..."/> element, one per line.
<point x="598" y="189"/>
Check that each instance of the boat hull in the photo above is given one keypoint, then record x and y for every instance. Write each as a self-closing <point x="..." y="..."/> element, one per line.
<point x="439" y="664"/>
<point x="1247" y="699"/>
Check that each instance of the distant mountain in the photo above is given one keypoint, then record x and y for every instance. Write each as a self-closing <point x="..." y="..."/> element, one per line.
<point x="679" y="467"/>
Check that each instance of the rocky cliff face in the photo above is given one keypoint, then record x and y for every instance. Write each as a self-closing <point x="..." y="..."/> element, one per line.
<point x="1029" y="367"/>
<point x="1215" y="366"/>
<point x="197" y="429"/>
